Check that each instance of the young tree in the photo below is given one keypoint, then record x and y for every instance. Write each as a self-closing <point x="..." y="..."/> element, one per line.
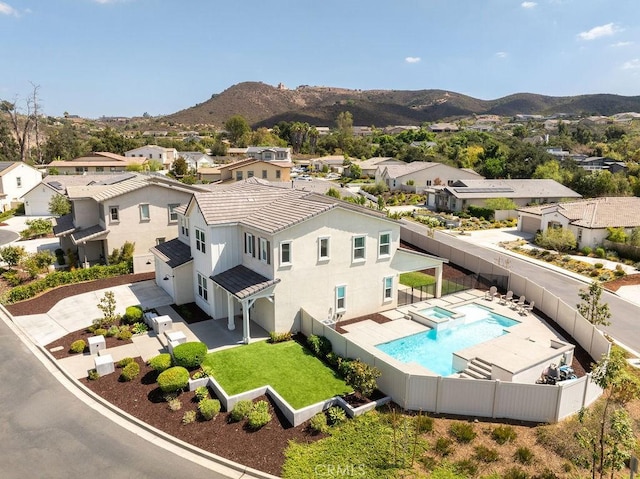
<point x="12" y="255"/>
<point x="591" y="308"/>
<point x="180" y="167"/>
<point x="237" y="127"/>
<point x="108" y="307"/>
<point x="59" y="205"/>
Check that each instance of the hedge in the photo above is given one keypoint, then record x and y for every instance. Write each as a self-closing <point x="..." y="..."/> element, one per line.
<point x="160" y="363"/>
<point x="59" y="278"/>
<point x="173" y="379"/>
<point x="189" y="355"/>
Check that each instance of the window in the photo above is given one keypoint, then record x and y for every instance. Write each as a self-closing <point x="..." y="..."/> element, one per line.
<point x="238" y="175"/>
<point x="144" y="212"/>
<point x="249" y="244"/>
<point x="341" y="298"/>
<point x="202" y="286"/>
<point x="150" y="155"/>
<point x="264" y="251"/>
<point x="323" y="249"/>
<point x="200" y="241"/>
<point x="81" y="169"/>
<point x="99" y="169"/>
<point x="184" y="226"/>
<point x="277" y="174"/>
<point x="114" y="213"/>
<point x="173" y="215"/>
<point x="384" y="244"/>
<point x="285" y="252"/>
<point x="19" y="182"/>
<point x="358" y="248"/>
<point x="428" y="182"/>
<point x="264" y="174"/>
<point x="388" y="288"/>
<point x="160" y="240"/>
<point x="250" y="174"/>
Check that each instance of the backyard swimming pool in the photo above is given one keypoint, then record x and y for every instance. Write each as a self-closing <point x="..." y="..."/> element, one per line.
<point x="433" y="349"/>
<point x="436" y="312"/>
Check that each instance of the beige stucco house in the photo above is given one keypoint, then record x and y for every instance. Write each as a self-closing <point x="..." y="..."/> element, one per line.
<point x="252" y="168"/>
<point x="265" y="252"/>
<point x="16" y="179"/>
<point x="422" y="174"/>
<point x="166" y="156"/>
<point x="96" y="162"/>
<point x="141" y="210"/>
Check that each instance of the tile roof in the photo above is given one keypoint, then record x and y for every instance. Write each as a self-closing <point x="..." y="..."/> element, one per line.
<point x="173" y="252"/>
<point x="243" y="282"/>
<point x="528" y="188"/>
<point x="611" y="211"/>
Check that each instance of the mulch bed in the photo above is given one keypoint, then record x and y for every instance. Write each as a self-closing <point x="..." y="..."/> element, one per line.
<point x="65" y="342"/>
<point x="44" y="302"/>
<point x="262" y="449"/>
<point x="191" y="313"/>
<point x="628" y="280"/>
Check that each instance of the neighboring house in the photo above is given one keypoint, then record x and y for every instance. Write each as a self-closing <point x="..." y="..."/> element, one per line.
<point x="597" y="163"/>
<point x="332" y="163"/>
<point x="271" y="153"/>
<point x="209" y="174"/>
<point x="464" y="193"/>
<point x="141" y="210"/>
<point x="588" y="219"/>
<point x="423" y="175"/>
<point x="370" y="166"/>
<point x="37" y="199"/>
<point x="16" y="179"/>
<point x="196" y="160"/>
<point x="96" y="162"/>
<point x="267" y="253"/>
<point x="362" y="131"/>
<point x="397" y="129"/>
<point x="250" y="168"/>
<point x="443" y="127"/>
<point x="166" y="156"/>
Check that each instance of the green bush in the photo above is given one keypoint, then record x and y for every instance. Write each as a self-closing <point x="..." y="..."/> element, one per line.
<point x="462" y="432"/>
<point x="241" y="410"/>
<point x="160" y="363"/>
<point x="124" y="361"/>
<point x="523" y="455"/>
<point x="443" y="446"/>
<point x="112" y="331"/>
<point x="318" y="423"/>
<point x="133" y="314"/>
<point x="332" y="358"/>
<point x="259" y="415"/>
<point x="598" y="265"/>
<point x="202" y="392"/>
<point x="209" y="408"/>
<point x="93" y="375"/>
<point x="362" y="377"/>
<point x="586" y="250"/>
<point x="173" y="379"/>
<point x="78" y="346"/>
<point x="100" y="332"/>
<point x="336" y="415"/>
<point x="130" y="371"/>
<point x="275" y="337"/>
<point x="423" y="424"/>
<point x="503" y="434"/>
<point x="139" y="328"/>
<point x="600" y="252"/>
<point x="558" y="239"/>
<point x="466" y="468"/>
<point x="125" y="334"/>
<point x="174" y="403"/>
<point x="189" y="417"/>
<point x="486" y="454"/>
<point x="479" y="212"/>
<point x="190" y="354"/>
<point x="515" y="473"/>
<point x="319" y="345"/>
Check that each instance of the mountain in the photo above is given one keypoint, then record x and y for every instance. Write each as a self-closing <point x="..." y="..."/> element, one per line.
<point x="265" y="105"/>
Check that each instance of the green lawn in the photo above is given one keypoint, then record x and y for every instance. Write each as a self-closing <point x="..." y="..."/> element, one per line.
<point x="297" y="375"/>
<point x="416" y="279"/>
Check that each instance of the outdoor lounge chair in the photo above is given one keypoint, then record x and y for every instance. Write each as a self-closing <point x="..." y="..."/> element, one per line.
<point x="492" y="293"/>
<point x="526" y="307"/>
<point x="506" y="298"/>
<point x="516" y="304"/>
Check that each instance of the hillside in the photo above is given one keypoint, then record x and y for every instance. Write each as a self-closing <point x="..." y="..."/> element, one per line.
<point x="265" y="105"/>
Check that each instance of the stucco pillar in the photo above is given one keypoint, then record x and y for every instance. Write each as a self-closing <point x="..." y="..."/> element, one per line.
<point x="246" y="334"/>
<point x="438" y="281"/>
<point x="231" y="325"/>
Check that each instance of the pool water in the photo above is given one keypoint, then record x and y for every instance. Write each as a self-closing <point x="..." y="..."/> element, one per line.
<point x="433" y="349"/>
<point x="436" y="312"/>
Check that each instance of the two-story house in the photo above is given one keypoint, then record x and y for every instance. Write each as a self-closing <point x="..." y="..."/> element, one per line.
<point x="271" y="153"/>
<point x="420" y="175"/>
<point x="96" y="162"/>
<point x="16" y="179"/>
<point x="166" y="156"/>
<point x="141" y="210"/>
<point x="253" y="168"/>
<point x="266" y="252"/>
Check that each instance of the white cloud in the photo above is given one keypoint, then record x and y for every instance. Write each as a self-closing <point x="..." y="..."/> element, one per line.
<point x="631" y="64"/>
<point x="412" y="59"/>
<point x="601" y="31"/>
<point x="6" y="9"/>
<point x="501" y="54"/>
<point x="621" y="44"/>
<point x="528" y="4"/>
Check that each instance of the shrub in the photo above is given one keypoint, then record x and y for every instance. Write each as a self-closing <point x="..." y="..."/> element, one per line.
<point x="173" y="379"/>
<point x="133" y="314"/>
<point x="600" y="252"/>
<point x="124" y="361"/>
<point x="202" y="392"/>
<point x="503" y="434"/>
<point x="124" y="335"/>
<point x="463" y="432"/>
<point x="515" y="473"/>
<point x="174" y="404"/>
<point x="466" y="467"/>
<point x="318" y="423"/>
<point x="428" y="462"/>
<point x="336" y="415"/>
<point x="279" y="337"/>
<point x="241" y="410"/>
<point x="189" y="417"/>
<point x="319" y="345"/>
<point x="78" y="346"/>
<point x="209" y="408"/>
<point x="100" y="332"/>
<point x="201" y="373"/>
<point x="112" y="331"/>
<point x="160" y="363"/>
<point x="486" y="454"/>
<point x="423" y="424"/>
<point x="523" y="455"/>
<point x="443" y="446"/>
<point x="190" y="354"/>
<point x="546" y="474"/>
<point x="130" y="371"/>
<point x="362" y="377"/>
<point x="259" y="415"/>
<point x="93" y="375"/>
<point x="332" y="359"/>
<point x="586" y="250"/>
<point x="558" y="239"/>
<point x="598" y="265"/>
<point x="139" y="328"/>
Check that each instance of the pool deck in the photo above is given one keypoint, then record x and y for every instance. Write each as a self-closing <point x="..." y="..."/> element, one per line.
<point x="528" y="343"/>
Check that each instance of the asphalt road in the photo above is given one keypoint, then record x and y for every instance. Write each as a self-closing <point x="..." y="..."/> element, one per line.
<point x="47" y="432"/>
<point x="625" y="316"/>
<point x="7" y="236"/>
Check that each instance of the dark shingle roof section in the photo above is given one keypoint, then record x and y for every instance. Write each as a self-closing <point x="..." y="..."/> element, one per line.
<point x="243" y="282"/>
<point x="64" y="225"/>
<point x="88" y="234"/>
<point x="173" y="252"/>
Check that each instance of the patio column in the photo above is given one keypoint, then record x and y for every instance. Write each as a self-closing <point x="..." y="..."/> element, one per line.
<point x="246" y="334"/>
<point x="231" y="325"/>
<point x="438" y="281"/>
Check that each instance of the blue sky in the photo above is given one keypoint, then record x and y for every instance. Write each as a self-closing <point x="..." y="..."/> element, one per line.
<point x="127" y="57"/>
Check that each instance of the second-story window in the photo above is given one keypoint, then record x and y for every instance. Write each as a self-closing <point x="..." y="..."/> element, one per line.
<point x="264" y="174"/>
<point x="114" y="214"/>
<point x="200" y="241"/>
<point x="184" y="226"/>
<point x="285" y="253"/>
<point x="323" y="248"/>
<point x="144" y="212"/>
<point x="250" y="244"/>
<point x="358" y="248"/>
<point x="19" y="182"/>
<point x="238" y="175"/>
<point x="173" y="215"/>
<point x="277" y="174"/>
<point x="264" y="251"/>
<point x="250" y="174"/>
<point x="384" y="244"/>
